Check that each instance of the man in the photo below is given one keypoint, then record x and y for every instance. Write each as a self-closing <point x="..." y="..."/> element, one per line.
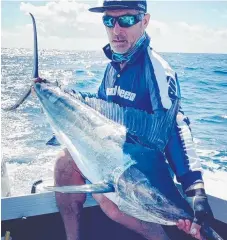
<point x="137" y="77"/>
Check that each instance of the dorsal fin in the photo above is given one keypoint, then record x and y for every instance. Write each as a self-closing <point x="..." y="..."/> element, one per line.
<point x="149" y="129"/>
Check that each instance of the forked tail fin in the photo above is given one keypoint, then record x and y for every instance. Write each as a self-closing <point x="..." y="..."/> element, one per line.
<point x="35" y="73"/>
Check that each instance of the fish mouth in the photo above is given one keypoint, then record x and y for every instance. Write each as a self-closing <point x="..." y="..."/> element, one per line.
<point x="138" y="196"/>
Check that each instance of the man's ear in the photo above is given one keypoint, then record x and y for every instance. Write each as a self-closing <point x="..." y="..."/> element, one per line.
<point x="146" y="20"/>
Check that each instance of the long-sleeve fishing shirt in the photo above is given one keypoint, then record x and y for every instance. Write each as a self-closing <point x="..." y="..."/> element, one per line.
<point x="147" y="82"/>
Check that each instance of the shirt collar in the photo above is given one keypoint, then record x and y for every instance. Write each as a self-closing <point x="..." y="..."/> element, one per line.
<point x="108" y="52"/>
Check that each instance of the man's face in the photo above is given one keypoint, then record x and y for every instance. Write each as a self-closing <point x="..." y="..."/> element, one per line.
<point x="122" y="39"/>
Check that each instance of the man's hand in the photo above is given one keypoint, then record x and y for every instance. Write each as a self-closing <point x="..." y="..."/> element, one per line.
<point x="198" y="201"/>
<point x="190" y="228"/>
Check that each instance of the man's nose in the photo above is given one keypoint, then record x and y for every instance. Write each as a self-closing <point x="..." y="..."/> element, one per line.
<point x="116" y="29"/>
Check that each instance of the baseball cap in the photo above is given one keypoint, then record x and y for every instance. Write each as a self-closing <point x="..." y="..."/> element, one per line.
<point x="118" y="4"/>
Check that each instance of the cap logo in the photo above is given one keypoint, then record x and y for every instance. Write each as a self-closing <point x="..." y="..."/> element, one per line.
<point x="141" y="6"/>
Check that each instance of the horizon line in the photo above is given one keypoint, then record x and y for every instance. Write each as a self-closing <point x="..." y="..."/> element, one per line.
<point x="97" y="50"/>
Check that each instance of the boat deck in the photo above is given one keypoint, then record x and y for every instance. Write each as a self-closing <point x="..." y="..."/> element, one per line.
<point x="37" y="217"/>
<point x="95" y="225"/>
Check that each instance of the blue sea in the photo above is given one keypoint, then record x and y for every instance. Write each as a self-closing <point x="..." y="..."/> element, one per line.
<point x="203" y="81"/>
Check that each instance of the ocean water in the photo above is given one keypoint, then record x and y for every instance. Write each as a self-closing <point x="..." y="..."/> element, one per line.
<point x="25" y="131"/>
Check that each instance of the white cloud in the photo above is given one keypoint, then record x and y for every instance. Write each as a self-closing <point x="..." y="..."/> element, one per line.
<point x="158" y="28"/>
<point x="183" y="37"/>
<point x="69" y="25"/>
<point x="66" y="19"/>
<point x="60" y="25"/>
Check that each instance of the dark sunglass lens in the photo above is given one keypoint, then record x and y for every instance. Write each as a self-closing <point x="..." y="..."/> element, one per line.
<point x="127" y="21"/>
<point x="108" y="21"/>
<point x="123" y="21"/>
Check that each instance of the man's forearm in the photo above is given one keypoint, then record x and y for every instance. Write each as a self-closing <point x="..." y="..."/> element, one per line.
<point x="181" y="154"/>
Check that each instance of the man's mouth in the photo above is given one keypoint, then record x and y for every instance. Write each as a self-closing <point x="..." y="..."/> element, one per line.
<point x="119" y="41"/>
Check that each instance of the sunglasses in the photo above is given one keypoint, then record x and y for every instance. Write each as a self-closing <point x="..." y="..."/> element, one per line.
<point x="124" y="21"/>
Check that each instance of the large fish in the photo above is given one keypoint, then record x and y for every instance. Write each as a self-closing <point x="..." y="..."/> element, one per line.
<point x="118" y="149"/>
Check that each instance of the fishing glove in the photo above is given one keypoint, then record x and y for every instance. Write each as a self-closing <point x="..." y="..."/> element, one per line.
<point x="197" y="199"/>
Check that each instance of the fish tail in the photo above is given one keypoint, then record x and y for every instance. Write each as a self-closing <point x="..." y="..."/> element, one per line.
<point x="35" y="73"/>
<point x="19" y="102"/>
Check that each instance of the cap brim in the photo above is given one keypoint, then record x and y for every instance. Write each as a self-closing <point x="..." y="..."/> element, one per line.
<point x="111" y="7"/>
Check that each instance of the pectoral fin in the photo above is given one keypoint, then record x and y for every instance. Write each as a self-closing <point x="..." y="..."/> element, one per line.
<point x="87" y="188"/>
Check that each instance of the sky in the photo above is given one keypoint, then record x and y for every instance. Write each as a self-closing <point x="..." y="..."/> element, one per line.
<point x="175" y="26"/>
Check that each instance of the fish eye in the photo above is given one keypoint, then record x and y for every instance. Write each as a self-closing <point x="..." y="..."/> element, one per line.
<point x="159" y="199"/>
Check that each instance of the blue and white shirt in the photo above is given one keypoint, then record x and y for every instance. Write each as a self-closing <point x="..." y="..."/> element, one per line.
<point x="147" y="82"/>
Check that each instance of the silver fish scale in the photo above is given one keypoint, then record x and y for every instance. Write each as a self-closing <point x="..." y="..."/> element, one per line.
<point x="90" y="126"/>
<point x="98" y="130"/>
<point x="150" y="127"/>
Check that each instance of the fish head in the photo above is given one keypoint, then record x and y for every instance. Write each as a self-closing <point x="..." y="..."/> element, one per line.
<point x="147" y="202"/>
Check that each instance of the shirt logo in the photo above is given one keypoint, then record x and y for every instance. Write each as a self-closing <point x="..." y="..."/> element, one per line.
<point x="117" y="91"/>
